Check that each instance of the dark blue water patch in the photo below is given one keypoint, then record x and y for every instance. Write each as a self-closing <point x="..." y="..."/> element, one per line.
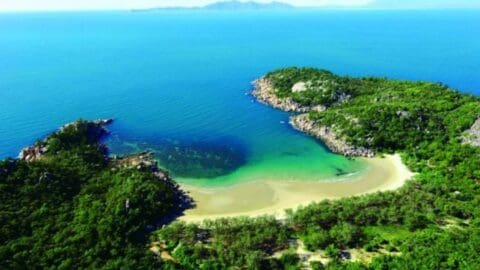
<point x="187" y="157"/>
<point x="143" y="70"/>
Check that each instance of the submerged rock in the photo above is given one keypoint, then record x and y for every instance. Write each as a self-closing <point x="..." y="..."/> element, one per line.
<point x="142" y="161"/>
<point x="202" y="159"/>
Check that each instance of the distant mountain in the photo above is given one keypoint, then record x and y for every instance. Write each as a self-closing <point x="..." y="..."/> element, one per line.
<point x="237" y="5"/>
<point x="230" y="5"/>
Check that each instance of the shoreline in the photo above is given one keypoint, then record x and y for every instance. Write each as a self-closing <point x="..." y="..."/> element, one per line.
<point x="264" y="92"/>
<point x="272" y="197"/>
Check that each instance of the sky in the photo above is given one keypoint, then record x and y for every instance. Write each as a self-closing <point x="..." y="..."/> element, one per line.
<point x="32" y="5"/>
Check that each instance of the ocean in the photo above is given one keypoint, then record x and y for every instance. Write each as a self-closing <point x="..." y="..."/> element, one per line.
<point x="177" y="82"/>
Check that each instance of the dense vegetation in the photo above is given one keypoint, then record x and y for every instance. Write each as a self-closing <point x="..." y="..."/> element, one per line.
<point x="431" y="223"/>
<point x="68" y="209"/>
<point x="71" y="209"/>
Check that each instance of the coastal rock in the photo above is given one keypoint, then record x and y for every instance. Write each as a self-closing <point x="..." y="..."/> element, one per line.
<point x="265" y="93"/>
<point x="146" y="162"/>
<point x="38" y="150"/>
<point x="472" y="135"/>
<point x="100" y="123"/>
<point x="143" y="161"/>
<point x="32" y="153"/>
<point x="329" y="137"/>
<point x="103" y="122"/>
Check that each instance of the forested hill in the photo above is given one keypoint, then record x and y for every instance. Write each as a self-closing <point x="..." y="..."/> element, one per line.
<point x="66" y="205"/>
<point x="433" y="222"/>
<point x="374" y="113"/>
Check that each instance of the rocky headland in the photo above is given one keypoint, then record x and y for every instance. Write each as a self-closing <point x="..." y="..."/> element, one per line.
<point x="265" y="93"/>
<point x="328" y="136"/>
<point x="146" y="162"/>
<point x="40" y="148"/>
<point x="143" y="161"/>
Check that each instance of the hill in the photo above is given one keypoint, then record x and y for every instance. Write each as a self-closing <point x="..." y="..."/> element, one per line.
<point x="67" y="205"/>
<point x="251" y="5"/>
<point x="229" y="6"/>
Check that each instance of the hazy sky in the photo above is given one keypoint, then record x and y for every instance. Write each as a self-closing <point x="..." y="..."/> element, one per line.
<point x="9" y="5"/>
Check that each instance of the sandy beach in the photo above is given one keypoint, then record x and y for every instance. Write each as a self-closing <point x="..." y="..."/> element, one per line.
<point x="272" y="197"/>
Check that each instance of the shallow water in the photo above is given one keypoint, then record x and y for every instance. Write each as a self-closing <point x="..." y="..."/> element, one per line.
<point x="176" y="82"/>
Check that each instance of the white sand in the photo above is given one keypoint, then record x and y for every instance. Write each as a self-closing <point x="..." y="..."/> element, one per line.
<point x="271" y="197"/>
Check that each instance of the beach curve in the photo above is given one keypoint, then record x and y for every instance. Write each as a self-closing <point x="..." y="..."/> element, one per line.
<point x="273" y="197"/>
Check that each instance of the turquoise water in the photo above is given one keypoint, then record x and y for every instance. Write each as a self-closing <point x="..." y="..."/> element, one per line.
<point x="176" y="82"/>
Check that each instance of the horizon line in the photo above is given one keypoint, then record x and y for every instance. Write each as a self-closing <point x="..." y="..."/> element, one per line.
<point x="201" y="8"/>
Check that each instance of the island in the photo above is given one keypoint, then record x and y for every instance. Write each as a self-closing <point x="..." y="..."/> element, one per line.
<point x="250" y="5"/>
<point x="229" y="6"/>
<point x="67" y="203"/>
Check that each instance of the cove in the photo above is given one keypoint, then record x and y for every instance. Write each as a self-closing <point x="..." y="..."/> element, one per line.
<point x="177" y="83"/>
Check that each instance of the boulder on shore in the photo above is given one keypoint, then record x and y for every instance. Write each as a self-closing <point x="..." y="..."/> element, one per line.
<point x="265" y="93"/>
<point x="329" y="137"/>
<point x="39" y="149"/>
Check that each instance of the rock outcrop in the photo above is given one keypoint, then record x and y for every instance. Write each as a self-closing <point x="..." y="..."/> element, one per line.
<point x="472" y="135"/>
<point x="300" y="87"/>
<point x="140" y="161"/>
<point x="329" y="137"/>
<point x="145" y="162"/>
<point x="32" y="153"/>
<point x="40" y="148"/>
<point x="100" y="123"/>
<point x="265" y="93"/>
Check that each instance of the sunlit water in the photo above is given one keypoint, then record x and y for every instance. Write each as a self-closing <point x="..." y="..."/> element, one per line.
<point x="177" y="82"/>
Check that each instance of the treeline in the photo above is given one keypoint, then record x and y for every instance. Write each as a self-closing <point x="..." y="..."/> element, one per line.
<point x="71" y="209"/>
<point x="431" y="223"/>
<point x="408" y="229"/>
<point x="236" y="243"/>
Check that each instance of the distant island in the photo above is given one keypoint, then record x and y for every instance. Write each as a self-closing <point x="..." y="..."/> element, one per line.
<point x="230" y="5"/>
<point x="235" y="5"/>
<point x="251" y="5"/>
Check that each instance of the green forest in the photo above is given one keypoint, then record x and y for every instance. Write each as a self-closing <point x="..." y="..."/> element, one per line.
<point x="76" y="208"/>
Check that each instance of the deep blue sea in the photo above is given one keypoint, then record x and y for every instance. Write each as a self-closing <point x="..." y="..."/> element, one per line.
<point x="176" y="81"/>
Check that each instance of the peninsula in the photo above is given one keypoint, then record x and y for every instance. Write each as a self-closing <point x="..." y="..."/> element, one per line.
<point x="67" y="204"/>
<point x="358" y="117"/>
<point x="355" y="117"/>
